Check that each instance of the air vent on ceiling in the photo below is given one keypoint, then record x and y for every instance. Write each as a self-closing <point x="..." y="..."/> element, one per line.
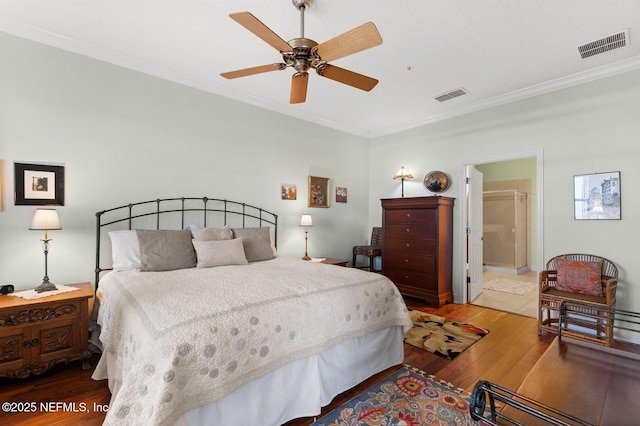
<point x="450" y="95"/>
<point x="605" y="44"/>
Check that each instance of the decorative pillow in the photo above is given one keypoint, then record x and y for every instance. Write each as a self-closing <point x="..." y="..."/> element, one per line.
<point x="219" y="253"/>
<point x="165" y="250"/>
<point x="581" y="277"/>
<point x="212" y="234"/>
<point x="125" y="250"/>
<point x="256" y="241"/>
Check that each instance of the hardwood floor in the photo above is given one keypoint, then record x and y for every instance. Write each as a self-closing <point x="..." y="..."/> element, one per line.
<point x="504" y="356"/>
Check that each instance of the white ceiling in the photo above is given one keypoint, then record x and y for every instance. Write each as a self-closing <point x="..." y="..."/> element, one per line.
<point x="498" y="50"/>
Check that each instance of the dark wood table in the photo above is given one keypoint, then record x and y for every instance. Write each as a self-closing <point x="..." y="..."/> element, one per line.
<point x="337" y="262"/>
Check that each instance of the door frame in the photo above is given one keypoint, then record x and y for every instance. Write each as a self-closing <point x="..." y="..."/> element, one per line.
<point x="539" y="207"/>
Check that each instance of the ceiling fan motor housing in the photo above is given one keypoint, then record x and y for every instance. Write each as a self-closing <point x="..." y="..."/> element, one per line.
<point x="301" y="59"/>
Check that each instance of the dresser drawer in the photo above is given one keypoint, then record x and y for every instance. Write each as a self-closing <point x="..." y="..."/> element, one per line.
<point x="405" y="245"/>
<point x="411" y="215"/>
<point x="416" y="231"/>
<point x="411" y="279"/>
<point x="409" y="261"/>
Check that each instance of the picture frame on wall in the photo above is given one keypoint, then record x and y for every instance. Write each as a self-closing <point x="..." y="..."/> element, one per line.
<point x="288" y="191"/>
<point x="39" y="185"/>
<point x="597" y="196"/>
<point x="341" y="194"/>
<point x="318" y="191"/>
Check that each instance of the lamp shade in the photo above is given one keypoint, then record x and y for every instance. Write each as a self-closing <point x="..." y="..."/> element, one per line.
<point x="306" y="220"/>
<point x="403" y="174"/>
<point x="45" y="220"/>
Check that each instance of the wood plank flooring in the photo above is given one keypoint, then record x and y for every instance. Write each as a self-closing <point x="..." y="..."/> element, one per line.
<point x="504" y="356"/>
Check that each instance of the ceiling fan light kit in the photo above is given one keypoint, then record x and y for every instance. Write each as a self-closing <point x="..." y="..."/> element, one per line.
<point x="303" y="53"/>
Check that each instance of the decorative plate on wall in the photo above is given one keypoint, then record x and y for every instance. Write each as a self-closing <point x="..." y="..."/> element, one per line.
<point x="436" y="181"/>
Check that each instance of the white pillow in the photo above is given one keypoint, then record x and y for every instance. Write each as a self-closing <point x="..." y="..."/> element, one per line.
<point x="125" y="250"/>
<point x="219" y="253"/>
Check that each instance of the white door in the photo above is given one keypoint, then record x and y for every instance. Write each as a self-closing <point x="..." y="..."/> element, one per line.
<point x="474" y="232"/>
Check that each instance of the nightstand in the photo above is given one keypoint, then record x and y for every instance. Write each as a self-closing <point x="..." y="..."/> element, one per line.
<point x="37" y="334"/>
<point x="337" y="262"/>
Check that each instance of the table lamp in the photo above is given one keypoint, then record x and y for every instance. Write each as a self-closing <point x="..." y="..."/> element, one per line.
<point x="45" y="220"/>
<point x="307" y="222"/>
<point x="403" y="174"/>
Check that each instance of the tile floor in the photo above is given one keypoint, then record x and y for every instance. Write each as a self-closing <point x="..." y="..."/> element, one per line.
<point x="526" y="304"/>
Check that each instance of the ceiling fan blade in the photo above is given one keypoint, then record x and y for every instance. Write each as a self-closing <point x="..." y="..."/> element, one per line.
<point x="253" y="70"/>
<point x="356" y="40"/>
<point x="256" y="26"/>
<point x="299" y="83"/>
<point x="350" y="78"/>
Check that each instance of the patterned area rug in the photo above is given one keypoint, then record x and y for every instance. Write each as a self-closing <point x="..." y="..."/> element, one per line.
<point x="442" y="336"/>
<point x="509" y="286"/>
<point x="407" y="397"/>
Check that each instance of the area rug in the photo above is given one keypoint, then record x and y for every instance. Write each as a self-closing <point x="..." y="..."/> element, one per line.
<point x="441" y="336"/>
<point x="407" y="397"/>
<point x="509" y="286"/>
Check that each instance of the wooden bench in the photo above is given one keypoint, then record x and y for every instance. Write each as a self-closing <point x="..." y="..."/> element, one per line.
<point x="551" y="295"/>
<point x="525" y="410"/>
<point x="578" y="381"/>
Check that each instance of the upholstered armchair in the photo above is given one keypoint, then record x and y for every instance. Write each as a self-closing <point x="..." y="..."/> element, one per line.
<point x="371" y="251"/>
<point x="582" y="278"/>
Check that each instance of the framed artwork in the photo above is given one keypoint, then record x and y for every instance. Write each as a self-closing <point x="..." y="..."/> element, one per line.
<point x="288" y="191"/>
<point x="39" y="185"/>
<point x="318" y="191"/>
<point x="341" y="194"/>
<point x="597" y="196"/>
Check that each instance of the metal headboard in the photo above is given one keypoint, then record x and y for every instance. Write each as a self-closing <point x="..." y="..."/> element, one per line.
<point x="215" y="211"/>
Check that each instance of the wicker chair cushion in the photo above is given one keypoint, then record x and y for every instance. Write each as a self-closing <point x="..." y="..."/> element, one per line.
<point x="583" y="277"/>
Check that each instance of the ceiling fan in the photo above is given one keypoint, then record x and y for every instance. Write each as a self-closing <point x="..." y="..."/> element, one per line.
<point x="303" y="53"/>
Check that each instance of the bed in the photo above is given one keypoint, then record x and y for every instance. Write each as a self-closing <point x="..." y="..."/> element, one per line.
<point x="201" y="322"/>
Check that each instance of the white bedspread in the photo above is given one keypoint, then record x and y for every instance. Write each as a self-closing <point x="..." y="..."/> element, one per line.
<point x="182" y="339"/>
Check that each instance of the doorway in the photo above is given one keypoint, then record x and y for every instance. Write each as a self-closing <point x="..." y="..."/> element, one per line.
<point x="493" y="282"/>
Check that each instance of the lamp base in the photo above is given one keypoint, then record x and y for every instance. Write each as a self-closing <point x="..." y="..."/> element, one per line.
<point x="45" y="286"/>
<point x="306" y="257"/>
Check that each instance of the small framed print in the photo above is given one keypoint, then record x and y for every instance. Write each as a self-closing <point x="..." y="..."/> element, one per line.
<point x="288" y="191"/>
<point x="39" y="185"/>
<point x="597" y="196"/>
<point x="318" y="191"/>
<point x="341" y="194"/>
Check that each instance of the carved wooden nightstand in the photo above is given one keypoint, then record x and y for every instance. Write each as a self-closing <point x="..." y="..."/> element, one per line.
<point x="37" y="334"/>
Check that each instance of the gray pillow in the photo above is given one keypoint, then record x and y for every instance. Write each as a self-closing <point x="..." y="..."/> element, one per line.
<point x="219" y="253"/>
<point x="256" y="242"/>
<point x="212" y="234"/>
<point x="165" y="250"/>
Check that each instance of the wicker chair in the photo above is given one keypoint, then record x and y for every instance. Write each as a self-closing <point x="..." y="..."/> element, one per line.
<point x="371" y="251"/>
<point x="551" y="297"/>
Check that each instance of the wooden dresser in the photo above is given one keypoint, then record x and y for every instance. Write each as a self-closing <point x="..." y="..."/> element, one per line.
<point x="417" y="247"/>
<point x="37" y="334"/>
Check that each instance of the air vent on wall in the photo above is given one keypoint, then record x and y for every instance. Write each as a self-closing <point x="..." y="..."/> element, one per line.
<point x="450" y="95"/>
<point x="604" y="44"/>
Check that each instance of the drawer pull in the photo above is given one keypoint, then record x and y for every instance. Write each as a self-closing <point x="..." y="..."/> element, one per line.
<point x="408" y="214"/>
<point x="32" y="342"/>
<point x="407" y="244"/>
<point x="406" y="260"/>
<point x="408" y="230"/>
